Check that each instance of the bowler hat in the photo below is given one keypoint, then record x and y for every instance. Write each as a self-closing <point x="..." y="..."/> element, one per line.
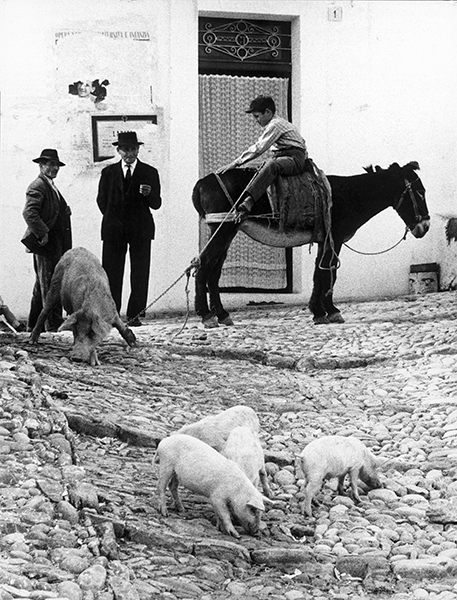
<point x="127" y="138"/>
<point x="261" y="103"/>
<point x="49" y="154"/>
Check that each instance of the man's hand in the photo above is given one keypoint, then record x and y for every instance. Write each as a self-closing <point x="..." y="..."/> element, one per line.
<point x="44" y="240"/>
<point x="145" y="189"/>
<point x="228" y="167"/>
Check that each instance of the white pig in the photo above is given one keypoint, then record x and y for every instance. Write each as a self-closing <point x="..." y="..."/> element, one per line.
<point x="215" y="429"/>
<point x="337" y="456"/>
<point x="190" y="462"/>
<point x="243" y="447"/>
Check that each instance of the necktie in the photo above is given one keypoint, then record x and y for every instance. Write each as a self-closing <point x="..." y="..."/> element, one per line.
<point x="128" y="176"/>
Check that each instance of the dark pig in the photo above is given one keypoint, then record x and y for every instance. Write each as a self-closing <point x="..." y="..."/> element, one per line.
<point x="337" y="456"/>
<point x="80" y="283"/>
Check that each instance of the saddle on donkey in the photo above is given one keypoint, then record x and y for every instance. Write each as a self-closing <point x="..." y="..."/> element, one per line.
<point x="302" y="202"/>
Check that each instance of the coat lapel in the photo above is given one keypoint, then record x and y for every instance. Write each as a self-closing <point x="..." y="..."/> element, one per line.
<point x="51" y="193"/>
<point x="119" y="176"/>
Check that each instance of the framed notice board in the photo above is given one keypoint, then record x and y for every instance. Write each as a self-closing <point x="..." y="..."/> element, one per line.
<point x="105" y="129"/>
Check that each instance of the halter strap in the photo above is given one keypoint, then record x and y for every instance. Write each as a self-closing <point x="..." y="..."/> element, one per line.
<point x="408" y="189"/>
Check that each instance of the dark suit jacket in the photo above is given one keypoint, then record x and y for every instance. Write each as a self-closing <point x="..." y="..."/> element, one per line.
<point x="128" y="216"/>
<point x="45" y="213"/>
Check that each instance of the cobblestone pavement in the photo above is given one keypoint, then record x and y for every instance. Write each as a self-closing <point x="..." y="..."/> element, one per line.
<point x="79" y="514"/>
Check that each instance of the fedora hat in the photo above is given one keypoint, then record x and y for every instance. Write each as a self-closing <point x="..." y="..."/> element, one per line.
<point x="49" y="154"/>
<point x="127" y="138"/>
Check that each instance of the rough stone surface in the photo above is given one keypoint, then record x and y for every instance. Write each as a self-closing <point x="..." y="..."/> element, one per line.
<point x="79" y="517"/>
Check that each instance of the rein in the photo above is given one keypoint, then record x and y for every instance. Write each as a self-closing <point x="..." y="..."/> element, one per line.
<point x="195" y="262"/>
<point x="381" y="251"/>
<point x="408" y="189"/>
<point x="224" y="189"/>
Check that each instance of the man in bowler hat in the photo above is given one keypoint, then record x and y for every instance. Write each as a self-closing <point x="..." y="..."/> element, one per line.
<point x="48" y="233"/>
<point x="127" y="191"/>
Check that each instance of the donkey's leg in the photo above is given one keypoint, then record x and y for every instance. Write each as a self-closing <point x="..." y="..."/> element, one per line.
<point x="215" y="301"/>
<point x="331" y="261"/>
<point x="201" y="300"/>
<point x="208" y="274"/>
<point x="315" y="304"/>
<point x="226" y="233"/>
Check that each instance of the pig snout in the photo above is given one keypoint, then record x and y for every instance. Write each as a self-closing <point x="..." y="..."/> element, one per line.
<point x="370" y="478"/>
<point x="83" y="352"/>
<point x="248" y="512"/>
<point x="252" y="526"/>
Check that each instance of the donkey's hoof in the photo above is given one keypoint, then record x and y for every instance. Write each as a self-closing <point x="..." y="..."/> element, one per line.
<point x="321" y="320"/>
<point x="335" y="318"/>
<point x="228" y="321"/>
<point x="210" y="322"/>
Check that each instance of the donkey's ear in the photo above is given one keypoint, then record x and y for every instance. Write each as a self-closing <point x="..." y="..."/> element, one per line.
<point x="378" y="168"/>
<point x="414" y="165"/>
<point x="395" y="167"/>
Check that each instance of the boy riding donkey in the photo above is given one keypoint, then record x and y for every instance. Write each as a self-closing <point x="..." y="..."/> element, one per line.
<point x="289" y="153"/>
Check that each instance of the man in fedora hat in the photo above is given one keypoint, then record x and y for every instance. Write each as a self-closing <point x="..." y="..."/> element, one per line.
<point x="48" y="233"/>
<point x="127" y="191"/>
<point x="288" y="151"/>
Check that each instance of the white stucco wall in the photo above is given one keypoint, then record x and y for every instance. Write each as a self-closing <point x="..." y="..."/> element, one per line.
<point x="376" y="87"/>
<point x="158" y="76"/>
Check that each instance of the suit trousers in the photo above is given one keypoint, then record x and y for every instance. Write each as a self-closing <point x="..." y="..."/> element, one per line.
<point x="44" y="268"/>
<point x="292" y="164"/>
<point x="113" y="260"/>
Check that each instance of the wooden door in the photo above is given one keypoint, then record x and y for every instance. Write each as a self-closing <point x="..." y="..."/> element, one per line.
<point x="240" y="60"/>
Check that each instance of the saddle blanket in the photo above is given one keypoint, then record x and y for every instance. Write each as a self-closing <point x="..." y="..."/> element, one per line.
<point x="302" y="202"/>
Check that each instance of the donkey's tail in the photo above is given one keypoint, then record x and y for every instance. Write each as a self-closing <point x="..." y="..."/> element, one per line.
<point x="196" y="199"/>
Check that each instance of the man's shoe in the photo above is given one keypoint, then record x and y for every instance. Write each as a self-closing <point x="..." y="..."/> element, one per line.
<point x="134" y="322"/>
<point x="246" y="206"/>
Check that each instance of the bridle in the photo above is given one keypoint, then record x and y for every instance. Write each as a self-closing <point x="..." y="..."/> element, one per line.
<point x="409" y="190"/>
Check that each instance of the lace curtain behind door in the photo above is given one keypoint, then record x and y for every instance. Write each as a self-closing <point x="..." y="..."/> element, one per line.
<point x="225" y="131"/>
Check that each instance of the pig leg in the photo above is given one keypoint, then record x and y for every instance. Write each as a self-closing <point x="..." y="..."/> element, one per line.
<point x="353" y="478"/>
<point x="340" y="488"/>
<point x="223" y="517"/>
<point x="94" y="362"/>
<point x="173" y="487"/>
<point x="125" y="332"/>
<point x="311" y="489"/>
<point x="166" y="473"/>
<point x="264" y="481"/>
<point x="52" y="298"/>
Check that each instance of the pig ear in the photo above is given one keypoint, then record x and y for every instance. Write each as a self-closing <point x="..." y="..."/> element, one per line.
<point x="256" y="502"/>
<point x="68" y="323"/>
<point x="100" y="326"/>
<point x="268" y="501"/>
<point x="382" y="462"/>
